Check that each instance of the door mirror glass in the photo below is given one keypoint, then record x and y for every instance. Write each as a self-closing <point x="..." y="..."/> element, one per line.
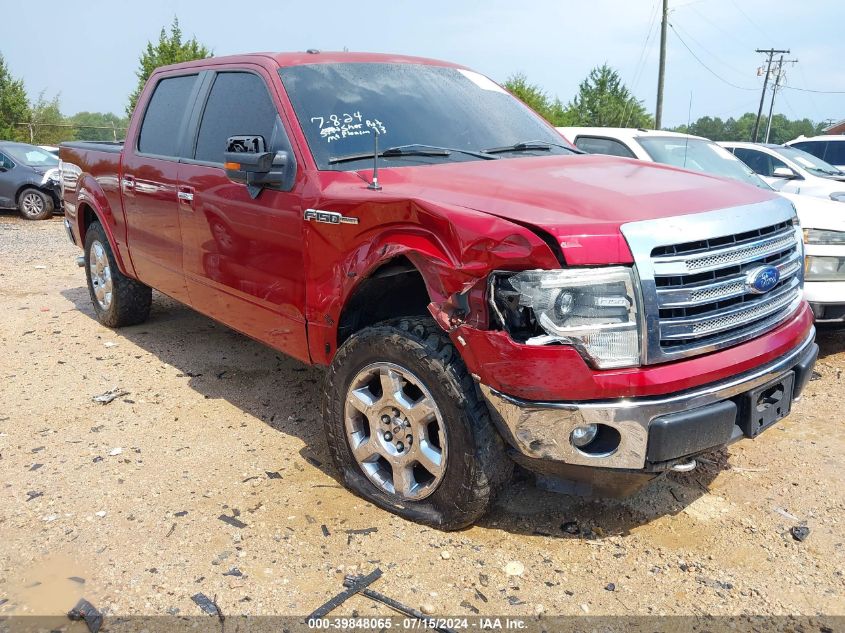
<point x="784" y="172"/>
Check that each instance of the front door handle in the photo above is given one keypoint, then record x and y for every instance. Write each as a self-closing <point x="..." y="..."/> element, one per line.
<point x="128" y="183"/>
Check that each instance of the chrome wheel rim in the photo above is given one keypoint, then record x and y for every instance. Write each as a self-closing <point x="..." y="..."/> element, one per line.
<point x="100" y="271"/>
<point x="32" y="204"/>
<point x="395" y="431"/>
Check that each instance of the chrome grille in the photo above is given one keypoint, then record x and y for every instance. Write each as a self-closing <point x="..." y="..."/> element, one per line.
<point x="695" y="294"/>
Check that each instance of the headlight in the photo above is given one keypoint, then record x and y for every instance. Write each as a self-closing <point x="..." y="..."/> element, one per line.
<point x="51" y="175"/>
<point x="819" y="236"/>
<point x="839" y="196"/>
<point x="593" y="309"/>
<point x="824" y="268"/>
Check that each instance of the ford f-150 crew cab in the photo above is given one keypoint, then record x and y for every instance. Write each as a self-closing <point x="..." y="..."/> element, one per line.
<point x="480" y="292"/>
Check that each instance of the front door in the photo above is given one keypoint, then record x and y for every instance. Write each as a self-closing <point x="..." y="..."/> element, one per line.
<point x="243" y="257"/>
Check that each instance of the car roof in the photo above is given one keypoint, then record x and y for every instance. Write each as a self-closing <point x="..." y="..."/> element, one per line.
<point x="820" y="137"/>
<point x="15" y="144"/>
<point x="625" y="132"/>
<point x="751" y="145"/>
<point x="313" y="56"/>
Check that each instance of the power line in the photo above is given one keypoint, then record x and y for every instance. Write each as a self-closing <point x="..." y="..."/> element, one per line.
<point x="820" y="92"/>
<point x="640" y="67"/>
<point x="750" y="21"/>
<point x="713" y="55"/>
<point x="710" y="70"/>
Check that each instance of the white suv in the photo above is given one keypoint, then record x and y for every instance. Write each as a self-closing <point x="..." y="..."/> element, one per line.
<point x="791" y="170"/>
<point x="823" y="220"/>
<point x="829" y="147"/>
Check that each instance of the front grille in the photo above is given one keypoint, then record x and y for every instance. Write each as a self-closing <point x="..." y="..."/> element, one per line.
<point x="703" y="301"/>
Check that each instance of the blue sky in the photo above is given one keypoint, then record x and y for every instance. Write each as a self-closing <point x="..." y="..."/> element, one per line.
<point x="88" y="52"/>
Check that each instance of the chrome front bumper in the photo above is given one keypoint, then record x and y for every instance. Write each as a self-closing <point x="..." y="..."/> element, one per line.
<point x="541" y="430"/>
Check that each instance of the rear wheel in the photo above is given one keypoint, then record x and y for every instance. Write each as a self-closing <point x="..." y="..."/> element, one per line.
<point x="407" y="427"/>
<point x="35" y="205"/>
<point x="118" y="300"/>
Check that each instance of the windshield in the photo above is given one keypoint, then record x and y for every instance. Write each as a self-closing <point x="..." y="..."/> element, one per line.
<point x="31" y="156"/>
<point x="340" y="106"/>
<point x="699" y="155"/>
<point x="810" y="163"/>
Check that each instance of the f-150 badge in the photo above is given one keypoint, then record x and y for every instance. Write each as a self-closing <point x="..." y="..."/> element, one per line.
<point x="328" y="217"/>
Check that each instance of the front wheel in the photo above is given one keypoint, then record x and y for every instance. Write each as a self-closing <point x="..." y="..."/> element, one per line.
<point x="118" y="300"/>
<point x="407" y="428"/>
<point x="35" y="205"/>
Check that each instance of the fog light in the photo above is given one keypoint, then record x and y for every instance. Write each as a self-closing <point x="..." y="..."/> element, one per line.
<point x="583" y="435"/>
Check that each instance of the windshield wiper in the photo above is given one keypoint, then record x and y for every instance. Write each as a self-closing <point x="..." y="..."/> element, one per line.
<point x="529" y="146"/>
<point x="414" y="149"/>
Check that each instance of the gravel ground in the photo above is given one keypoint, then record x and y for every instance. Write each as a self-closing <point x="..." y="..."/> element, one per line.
<point x="133" y="497"/>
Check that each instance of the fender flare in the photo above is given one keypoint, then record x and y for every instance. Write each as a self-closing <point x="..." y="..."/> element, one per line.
<point x="99" y="205"/>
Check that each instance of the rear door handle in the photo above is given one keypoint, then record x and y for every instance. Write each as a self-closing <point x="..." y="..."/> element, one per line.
<point x="186" y="196"/>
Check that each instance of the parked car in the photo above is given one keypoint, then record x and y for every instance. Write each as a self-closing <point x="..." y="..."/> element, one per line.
<point x="829" y="147"/>
<point x="823" y="220"/>
<point x="50" y="149"/>
<point x="791" y="170"/>
<point x="29" y="180"/>
<point x="467" y="278"/>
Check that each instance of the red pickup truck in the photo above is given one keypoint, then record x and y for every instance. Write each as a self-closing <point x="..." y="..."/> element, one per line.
<point x="480" y="292"/>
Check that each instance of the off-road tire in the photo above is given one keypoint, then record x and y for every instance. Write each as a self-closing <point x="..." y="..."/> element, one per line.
<point x="477" y="466"/>
<point x="131" y="300"/>
<point x="35" y="205"/>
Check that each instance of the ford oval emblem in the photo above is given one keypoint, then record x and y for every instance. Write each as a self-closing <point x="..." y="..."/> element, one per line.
<point x="761" y="279"/>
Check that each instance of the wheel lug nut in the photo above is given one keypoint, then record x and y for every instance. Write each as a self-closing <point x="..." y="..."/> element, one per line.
<point x="385" y="419"/>
<point x="395" y="413"/>
<point x="388" y="436"/>
<point x="400" y="446"/>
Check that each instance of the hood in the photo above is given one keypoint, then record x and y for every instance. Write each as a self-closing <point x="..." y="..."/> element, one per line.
<point x="580" y="200"/>
<point x="818" y="213"/>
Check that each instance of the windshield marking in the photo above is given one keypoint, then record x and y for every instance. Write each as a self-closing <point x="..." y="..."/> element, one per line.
<point x="337" y="126"/>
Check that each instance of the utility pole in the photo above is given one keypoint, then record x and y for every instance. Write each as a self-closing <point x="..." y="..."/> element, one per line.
<point x="771" y="53"/>
<point x="775" y="86"/>
<point x="661" y="72"/>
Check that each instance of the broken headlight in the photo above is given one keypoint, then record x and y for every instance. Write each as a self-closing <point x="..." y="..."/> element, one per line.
<point x="593" y="309"/>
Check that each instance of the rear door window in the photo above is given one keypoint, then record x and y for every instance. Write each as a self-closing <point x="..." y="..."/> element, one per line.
<point x="835" y="154"/>
<point x="5" y="162"/>
<point x="598" y="145"/>
<point x="816" y="148"/>
<point x="238" y="104"/>
<point x="164" y="119"/>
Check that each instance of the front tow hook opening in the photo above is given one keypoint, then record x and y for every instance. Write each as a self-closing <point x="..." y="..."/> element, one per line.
<point x="685" y="467"/>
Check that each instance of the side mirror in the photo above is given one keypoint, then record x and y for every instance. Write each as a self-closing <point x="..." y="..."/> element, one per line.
<point x="784" y="172"/>
<point x="248" y="163"/>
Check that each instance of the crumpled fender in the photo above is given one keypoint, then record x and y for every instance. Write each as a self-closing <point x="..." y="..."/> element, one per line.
<point x="453" y="248"/>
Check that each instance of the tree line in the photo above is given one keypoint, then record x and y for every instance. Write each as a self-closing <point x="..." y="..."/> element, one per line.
<point x="602" y="100"/>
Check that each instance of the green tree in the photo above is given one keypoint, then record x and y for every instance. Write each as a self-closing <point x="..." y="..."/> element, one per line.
<point x="14" y="106"/>
<point x="46" y="123"/>
<point x="170" y="49"/>
<point x="604" y="101"/>
<point x="742" y="129"/>
<point x="98" y="126"/>
<point x="537" y="99"/>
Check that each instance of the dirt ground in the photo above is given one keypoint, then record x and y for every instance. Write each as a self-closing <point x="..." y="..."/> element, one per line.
<point x="122" y="503"/>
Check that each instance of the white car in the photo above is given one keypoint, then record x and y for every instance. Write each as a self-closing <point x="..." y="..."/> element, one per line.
<point x="829" y="147"/>
<point x="791" y="170"/>
<point x="823" y="221"/>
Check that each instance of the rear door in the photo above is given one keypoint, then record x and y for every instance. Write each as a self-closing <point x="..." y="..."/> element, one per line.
<point x="243" y="257"/>
<point x="149" y="185"/>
